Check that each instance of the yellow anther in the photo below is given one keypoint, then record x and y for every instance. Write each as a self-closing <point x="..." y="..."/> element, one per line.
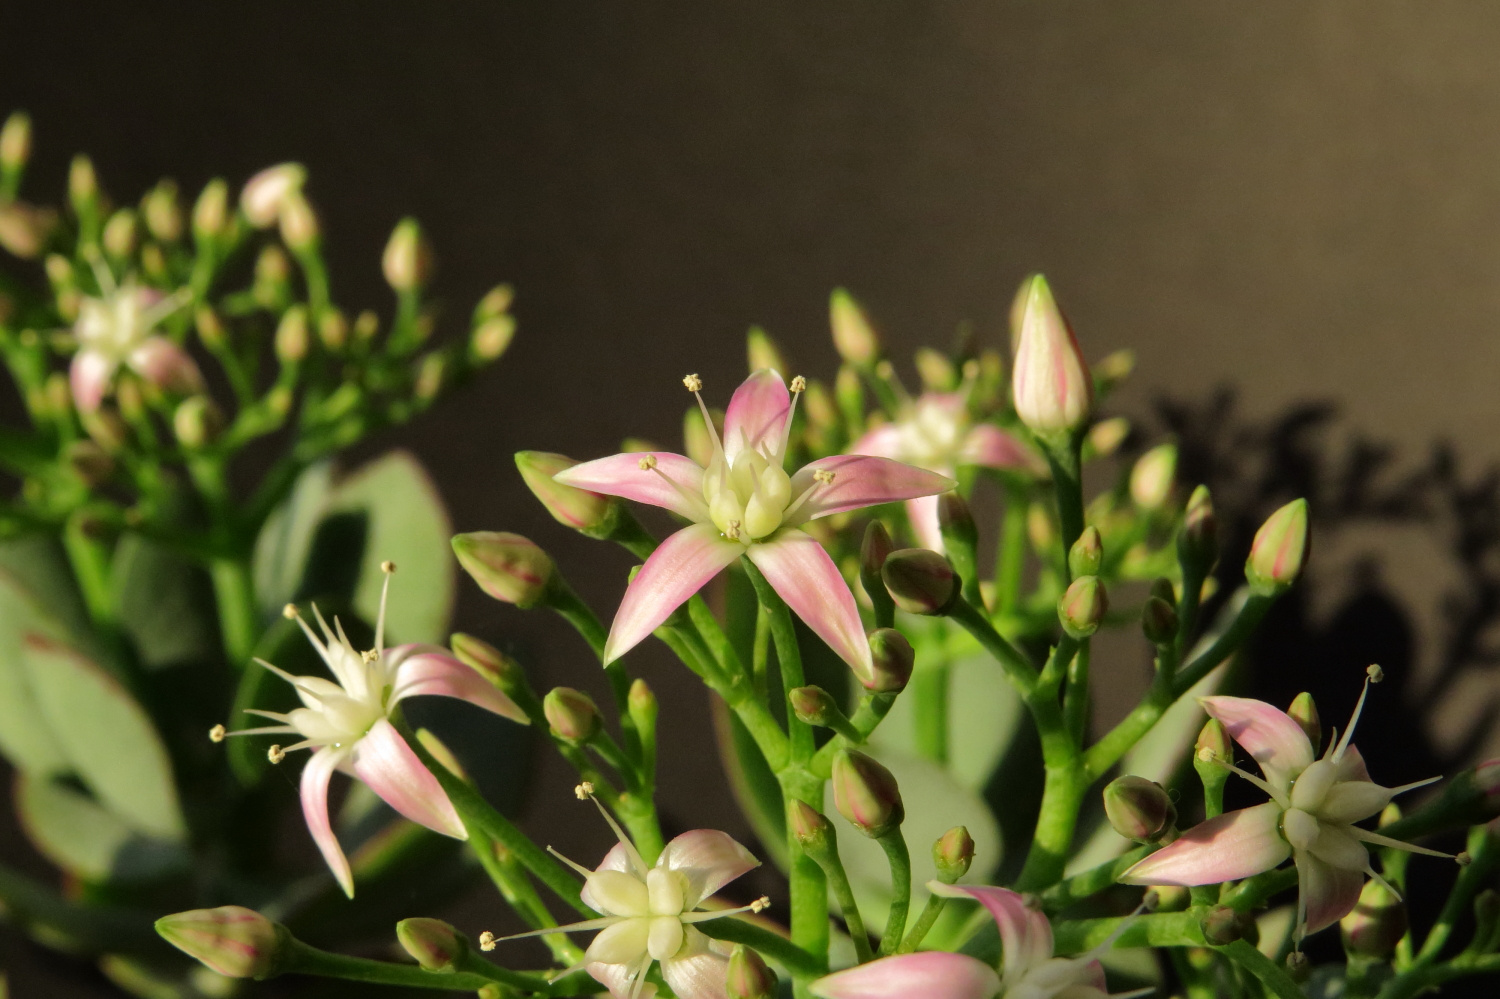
<point x="761" y="904"/>
<point x="1463" y="858"/>
<point x="388" y="567"/>
<point x="289" y="612"/>
<point x="1375" y="673"/>
<point x="693" y="383"/>
<point x="732" y="532"/>
<point x="1151" y="900"/>
<point x="217" y="734"/>
<point x="1206" y="755"/>
<point x="275" y="754"/>
<point x="647" y="462"/>
<point x="486" y="940"/>
<point x="584" y="791"/>
<point x="369" y="656"/>
<point x="824" y="476"/>
<point x="799" y="384"/>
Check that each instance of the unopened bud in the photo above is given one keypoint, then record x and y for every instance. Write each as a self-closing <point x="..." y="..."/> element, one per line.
<point x="299" y="223"/>
<point x="293" y="336"/>
<point x="747" y="977"/>
<point x="1041" y="528"/>
<point x="920" y="581"/>
<point x="1105" y="437"/>
<point x="492" y="337"/>
<point x="333" y="330"/>
<point x="196" y="422"/>
<point x="489" y="662"/>
<point x="810" y="828"/>
<point x="431" y="370"/>
<point x="891" y="659"/>
<point x="83" y="183"/>
<point x="15" y="142"/>
<point x="571" y="714"/>
<point x="1114" y="369"/>
<point x="1152" y="477"/>
<point x="432" y="943"/>
<point x="1298" y="966"/>
<point x="1199" y="541"/>
<point x="1222" y="925"/>
<point x="211" y="210"/>
<point x="697" y="440"/>
<point x="873" y="551"/>
<point x="496" y="302"/>
<point x="1159" y="621"/>
<point x="25" y="229"/>
<point x="1279" y="550"/>
<point x="1050" y="384"/>
<point x="936" y="370"/>
<point x="407" y="262"/>
<point x="865" y="793"/>
<point x="119" y="235"/>
<point x="853" y="336"/>
<point x="267" y="193"/>
<point x="819" y="407"/>
<point x="1213" y="742"/>
<point x="1376" y="924"/>
<point x="1081" y="608"/>
<point x="956" y="522"/>
<point x="849" y="393"/>
<point x="762" y="352"/>
<point x="232" y="940"/>
<point x="506" y="566"/>
<point x="1087" y="553"/>
<point x="641" y="703"/>
<point x="1305" y="713"/>
<point x="591" y="513"/>
<point x="1139" y="809"/>
<point x="812" y="705"/>
<point x="162" y="213"/>
<point x="272" y="272"/>
<point x="952" y="854"/>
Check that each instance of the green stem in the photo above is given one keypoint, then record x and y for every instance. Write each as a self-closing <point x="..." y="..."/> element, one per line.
<point x="899" y="856"/>
<point x="788" y="660"/>
<point x="1272" y="975"/>
<point x="1062" y="796"/>
<point x="808" y="886"/>
<point x="799" y="962"/>
<point x="1092" y="881"/>
<point x="523" y="899"/>
<point x="1076" y="696"/>
<point x="1010" y="559"/>
<point x="1018" y="669"/>
<point x="90" y="558"/>
<point x="562" y="599"/>
<point x="1419" y="980"/>
<point x="930" y="913"/>
<point x="929" y="692"/>
<point x="838" y="882"/>
<point x="298" y="958"/>
<point x="761" y="651"/>
<point x="1062" y="456"/>
<point x="1484" y="857"/>
<point x="239" y="619"/>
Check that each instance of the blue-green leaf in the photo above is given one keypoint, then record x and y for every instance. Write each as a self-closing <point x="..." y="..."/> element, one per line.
<point x="25" y="738"/>
<point x="82" y="837"/>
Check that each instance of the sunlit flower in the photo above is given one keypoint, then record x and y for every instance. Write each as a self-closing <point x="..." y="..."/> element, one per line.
<point x="1314" y="803"/>
<point x="936" y="432"/>
<point x="649" y="912"/>
<point x="744" y="503"/>
<point x="1027" y="968"/>
<point x="116" y="329"/>
<point x="347" y="726"/>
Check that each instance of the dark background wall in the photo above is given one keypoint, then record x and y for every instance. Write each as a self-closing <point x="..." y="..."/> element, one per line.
<point x="1301" y="200"/>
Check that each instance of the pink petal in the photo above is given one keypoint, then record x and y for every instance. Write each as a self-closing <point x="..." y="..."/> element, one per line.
<point x="882" y="442"/>
<point x="165" y="365"/>
<point x="384" y="761"/>
<point x="1329" y="893"/>
<point x="622" y="475"/>
<point x="1096" y="975"/>
<point x="315" y="810"/>
<point x="615" y="977"/>
<point x="709" y="858"/>
<point x="421" y="672"/>
<point x="800" y="571"/>
<point x="931" y="975"/>
<point x="680" y="567"/>
<point x="1278" y="744"/>
<point x="1025" y="934"/>
<point x="994" y="448"/>
<point x="862" y="480"/>
<point x="757" y="415"/>
<point x="1352" y="766"/>
<point x="697" y="975"/>
<point x="89" y="377"/>
<point x="1231" y="846"/>
<point x="923" y="514"/>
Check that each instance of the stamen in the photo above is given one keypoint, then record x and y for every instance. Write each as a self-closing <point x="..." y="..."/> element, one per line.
<point x="1208" y="756"/>
<point x="369" y="655"/>
<point x="798" y="386"/>
<point x="486" y="941"/>
<point x="275" y="754"/>
<point x="216" y="734"/>
<point x="584" y="791"/>
<point x="694" y="383"/>
<point x="647" y="462"/>
<point x="161" y="310"/>
<point x="759" y="905"/>
<point x="1372" y="675"/>
<point x="389" y="568"/>
<point x="1383" y="882"/>
<point x="584" y="871"/>
<point x="264" y="730"/>
<point x="289" y="612"/>
<point x="823" y="476"/>
<point x="295" y="681"/>
<point x="1377" y="839"/>
<point x="1375" y="673"/>
<point x="732" y="532"/>
<point x="578" y="927"/>
<point x="1463" y="858"/>
<point x="101" y="271"/>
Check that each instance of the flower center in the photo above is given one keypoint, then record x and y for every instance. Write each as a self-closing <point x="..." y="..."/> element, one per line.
<point x="747" y="500"/>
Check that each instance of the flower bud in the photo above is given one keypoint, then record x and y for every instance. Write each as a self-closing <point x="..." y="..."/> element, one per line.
<point x="1158" y="621"/>
<point x="853" y="336"/>
<point x="266" y="194"/>
<point x="571" y="714"/>
<point x="119" y="235"/>
<point x="211" y="210"/>
<point x="849" y="393"/>
<point x="15" y="142"/>
<point x="492" y="337"/>
<point x="162" y="213"/>
<point x="873" y="551"/>
<point x="920" y="581"/>
<point x="812" y="705"/>
<point x="956" y="522"/>
<point x="1139" y="809"/>
<point x="299" y="223"/>
<point x="196" y="422"/>
<point x="1213" y="742"/>
<point x="489" y="662"/>
<point x="762" y="352"/>
<point x="293" y="336"/>
<point x="591" y="513"/>
<point x="1279" y="550"/>
<point x="865" y="793"/>
<point x="25" y="229"/>
<point x="83" y="184"/>
<point x="407" y="261"/>
<point x="506" y="566"/>
<point x="232" y="940"/>
<point x="1152" y="477"/>
<point x="1082" y="606"/>
<point x="1305" y="713"/>
<point x="431" y="370"/>
<point x="936" y="370"/>
<point x="1105" y="437"/>
<point x="272" y="272"/>
<point x="1199" y="541"/>
<point x="697" y="441"/>
<point x="1376" y="924"/>
<point x="1114" y="369"/>
<point x="891" y="659"/>
<point x="1050" y="384"/>
<point x="434" y="944"/>
<point x="811" y="828"/>
<point x="1087" y="553"/>
<point x="952" y="854"/>
<point x="1222" y="925"/>
<point x="1040" y="527"/>
<point x="641" y="703"/>
<point x="747" y="976"/>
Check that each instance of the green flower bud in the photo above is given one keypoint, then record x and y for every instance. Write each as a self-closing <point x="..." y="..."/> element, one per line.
<point x="1163" y="590"/>
<point x="697" y="442"/>
<point x="489" y="662"/>
<point x="1082" y="606"/>
<point x="25" y="229"/>
<point x="747" y="976"/>
<point x="211" y="210"/>
<point x="1087" y="553"/>
<point x="1159" y="621"/>
<point x="1213" y="742"/>
<point x="431" y="369"/>
<point x="1152" y="477"/>
<point x="936" y="370"/>
<point x="15" y="142"/>
<point x="812" y="705"/>
<point x="865" y="793"/>
<point x="873" y="551"/>
<point x="956" y="522"/>
<point x="853" y="336"/>
<point x="641" y="703"/>
<point x="589" y="513"/>
<point x="849" y="393"/>
<point x="162" y="212"/>
<point x="1114" y="369"/>
<point x="1279" y="550"/>
<point x="272" y="273"/>
<point x="1375" y="925"/>
<point x="920" y="581"/>
<point x="434" y="944"/>
<point x="1199" y="541"/>
<point x="1222" y="925"/>
<point x="299" y="223"/>
<point x="293" y="336"/>
<point x="196" y="422"/>
<point x="1139" y="809"/>
<point x="83" y="184"/>
<point x="496" y="302"/>
<point x="952" y="854"/>
<point x="232" y="940"/>
<point x="811" y="828"/>
<point x="762" y="352"/>
<point x="571" y="714"/>
<point x="507" y="566"/>
<point x="1041" y="528"/>
<point x="1105" y="437"/>
<point x="120" y="235"/>
<point x="492" y="337"/>
<point x="407" y="261"/>
<point x="1305" y="713"/>
<point x="891" y="659"/>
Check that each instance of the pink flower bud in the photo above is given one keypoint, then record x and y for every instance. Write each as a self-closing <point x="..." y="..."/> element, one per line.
<point x="641" y="703"/>
<point x="1105" y="437"/>
<point x="891" y="659"/>
<point x="810" y="827"/>
<point x="1376" y="924"/>
<point x="865" y="793"/>
<point x="571" y="714"/>
<point x="1050" y="385"/>
<point x="1279" y="550"/>
<point x="953" y="853"/>
<point x="853" y="336"/>
<point x="197" y="422"/>
<point x="1139" y="809"/>
<point x="486" y="660"/>
<point x="590" y="513"/>
<point x="920" y="581"/>
<point x="1213" y="742"/>
<point x="407" y="262"/>
<point x="267" y="192"/>
<point x="507" y="566"/>
<point x="299" y="223"/>
<point x="1199" y="541"/>
<point x="434" y="944"/>
<point x="1152" y="477"/>
<point x="232" y="940"/>
<point x="1081" y="608"/>
<point x="1222" y="925"/>
<point x="1087" y="553"/>
<point x="211" y="210"/>
<point x="747" y="976"/>
<point x="1158" y="621"/>
<point x="812" y="705"/>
